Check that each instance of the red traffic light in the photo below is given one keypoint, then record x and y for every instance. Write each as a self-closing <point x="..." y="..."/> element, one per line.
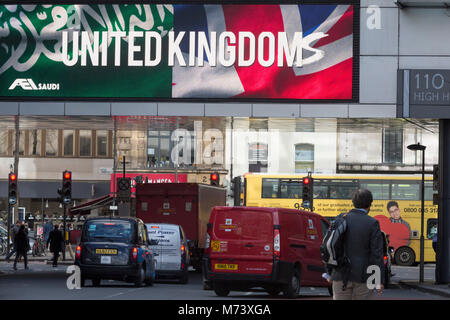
<point x="12" y="177"/>
<point x="214" y="177"/>
<point x="306" y="181"/>
<point x="67" y="175"/>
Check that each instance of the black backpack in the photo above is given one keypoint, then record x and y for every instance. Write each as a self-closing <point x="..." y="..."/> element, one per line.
<point x="332" y="250"/>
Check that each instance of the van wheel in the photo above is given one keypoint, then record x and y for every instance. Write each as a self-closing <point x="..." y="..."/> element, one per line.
<point x="292" y="289"/>
<point x="405" y="256"/>
<point x="138" y="282"/>
<point x="82" y="281"/>
<point x="221" y="290"/>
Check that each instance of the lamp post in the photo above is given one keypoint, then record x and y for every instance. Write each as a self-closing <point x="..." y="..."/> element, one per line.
<point x="419" y="147"/>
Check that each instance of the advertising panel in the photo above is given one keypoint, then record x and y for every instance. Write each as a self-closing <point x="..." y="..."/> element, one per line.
<point x="179" y="51"/>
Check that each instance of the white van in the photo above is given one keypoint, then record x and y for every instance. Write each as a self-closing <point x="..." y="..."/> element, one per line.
<point x="171" y="251"/>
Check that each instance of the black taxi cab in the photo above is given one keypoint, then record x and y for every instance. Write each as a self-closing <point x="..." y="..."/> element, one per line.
<point x="115" y="248"/>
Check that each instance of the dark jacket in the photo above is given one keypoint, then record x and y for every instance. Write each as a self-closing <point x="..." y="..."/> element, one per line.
<point x="22" y="242"/>
<point x="56" y="241"/>
<point x="363" y="246"/>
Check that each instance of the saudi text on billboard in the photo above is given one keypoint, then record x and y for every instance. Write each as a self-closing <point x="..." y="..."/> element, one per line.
<point x="163" y="51"/>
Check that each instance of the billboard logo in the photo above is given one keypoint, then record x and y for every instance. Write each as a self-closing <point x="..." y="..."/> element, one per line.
<point x="28" y="84"/>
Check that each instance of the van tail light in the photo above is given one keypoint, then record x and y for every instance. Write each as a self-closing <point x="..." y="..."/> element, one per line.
<point x="78" y="253"/>
<point x="134" y="254"/>
<point x="207" y="241"/>
<point x="276" y="243"/>
<point x="385" y="258"/>
<point x="183" y="248"/>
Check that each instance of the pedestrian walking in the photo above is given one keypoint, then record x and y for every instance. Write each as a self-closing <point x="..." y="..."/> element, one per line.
<point x="22" y="246"/>
<point x="363" y="246"/>
<point x="55" y="240"/>
<point x="48" y="227"/>
<point x="14" y="231"/>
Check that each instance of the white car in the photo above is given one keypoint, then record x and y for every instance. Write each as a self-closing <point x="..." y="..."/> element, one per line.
<point x="171" y="251"/>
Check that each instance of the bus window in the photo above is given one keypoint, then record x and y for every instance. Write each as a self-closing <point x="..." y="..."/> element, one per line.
<point x="431" y="228"/>
<point x="380" y="190"/>
<point x="428" y="191"/>
<point x="320" y="190"/>
<point x="342" y="189"/>
<point x="291" y="189"/>
<point x="270" y="188"/>
<point x="405" y="191"/>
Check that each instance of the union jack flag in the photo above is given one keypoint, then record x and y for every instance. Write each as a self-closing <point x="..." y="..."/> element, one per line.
<point x="328" y="78"/>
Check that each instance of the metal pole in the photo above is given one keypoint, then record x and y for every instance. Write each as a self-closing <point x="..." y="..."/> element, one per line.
<point x="9" y="228"/>
<point x="64" y="233"/>
<point x="422" y="220"/>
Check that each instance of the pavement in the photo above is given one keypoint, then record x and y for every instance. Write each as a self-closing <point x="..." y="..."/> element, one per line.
<point x="428" y="286"/>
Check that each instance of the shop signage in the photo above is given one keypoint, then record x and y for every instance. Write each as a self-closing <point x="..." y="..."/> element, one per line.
<point x="165" y="51"/>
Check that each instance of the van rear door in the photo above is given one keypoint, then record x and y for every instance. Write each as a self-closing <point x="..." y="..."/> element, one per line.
<point x="153" y="234"/>
<point x="170" y="247"/>
<point x="242" y="241"/>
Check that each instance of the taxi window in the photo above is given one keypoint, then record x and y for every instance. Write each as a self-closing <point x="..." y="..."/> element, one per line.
<point x="110" y="231"/>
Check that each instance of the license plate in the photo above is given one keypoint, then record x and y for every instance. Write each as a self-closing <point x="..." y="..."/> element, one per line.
<point x="106" y="251"/>
<point x="226" y="266"/>
<point x="105" y="260"/>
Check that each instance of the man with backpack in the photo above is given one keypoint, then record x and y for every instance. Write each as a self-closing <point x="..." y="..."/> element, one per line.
<point x="353" y="243"/>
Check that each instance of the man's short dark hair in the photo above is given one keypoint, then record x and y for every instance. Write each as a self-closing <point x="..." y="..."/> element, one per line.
<point x="392" y="204"/>
<point x="362" y="198"/>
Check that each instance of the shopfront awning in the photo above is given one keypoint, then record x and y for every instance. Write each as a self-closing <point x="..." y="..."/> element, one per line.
<point x="86" y="208"/>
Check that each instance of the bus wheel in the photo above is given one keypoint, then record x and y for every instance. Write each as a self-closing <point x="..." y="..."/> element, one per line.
<point x="405" y="256"/>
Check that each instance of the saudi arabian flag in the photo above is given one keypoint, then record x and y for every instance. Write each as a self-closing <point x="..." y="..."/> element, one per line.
<point x="85" y="51"/>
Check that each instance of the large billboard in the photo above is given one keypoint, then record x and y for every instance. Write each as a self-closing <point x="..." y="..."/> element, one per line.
<point x="236" y="52"/>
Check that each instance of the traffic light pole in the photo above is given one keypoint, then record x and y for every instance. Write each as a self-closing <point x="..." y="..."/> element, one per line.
<point x="64" y="232"/>
<point x="9" y="228"/>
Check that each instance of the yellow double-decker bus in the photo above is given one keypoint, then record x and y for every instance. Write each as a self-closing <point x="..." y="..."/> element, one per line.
<point x="332" y="196"/>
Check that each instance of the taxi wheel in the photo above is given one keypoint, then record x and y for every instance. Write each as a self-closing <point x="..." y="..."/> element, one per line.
<point x="82" y="281"/>
<point x="150" y="279"/>
<point x="96" y="282"/>
<point x="138" y="282"/>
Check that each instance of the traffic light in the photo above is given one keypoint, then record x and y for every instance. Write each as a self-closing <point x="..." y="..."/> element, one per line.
<point x="12" y="188"/>
<point x="214" y="179"/>
<point x="67" y="187"/>
<point x="124" y="189"/>
<point x="307" y="192"/>
<point x="436" y="177"/>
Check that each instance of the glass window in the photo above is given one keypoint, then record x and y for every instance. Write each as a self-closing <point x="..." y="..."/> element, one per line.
<point x="342" y="189"/>
<point x="291" y="189"/>
<point x="431" y="228"/>
<point x="405" y="191"/>
<point x="110" y="231"/>
<point x="320" y="189"/>
<point x="34" y="142"/>
<point x="51" y="142"/>
<point x="85" y="143"/>
<point x="3" y="142"/>
<point x="392" y="145"/>
<point x="270" y="188"/>
<point x="159" y="149"/>
<point x="68" y="145"/>
<point x="380" y="190"/>
<point x="102" y="143"/>
<point x="257" y="157"/>
<point x="428" y="191"/>
<point x="304" y="158"/>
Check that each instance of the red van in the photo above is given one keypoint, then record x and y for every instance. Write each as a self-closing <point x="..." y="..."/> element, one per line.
<point x="273" y="248"/>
